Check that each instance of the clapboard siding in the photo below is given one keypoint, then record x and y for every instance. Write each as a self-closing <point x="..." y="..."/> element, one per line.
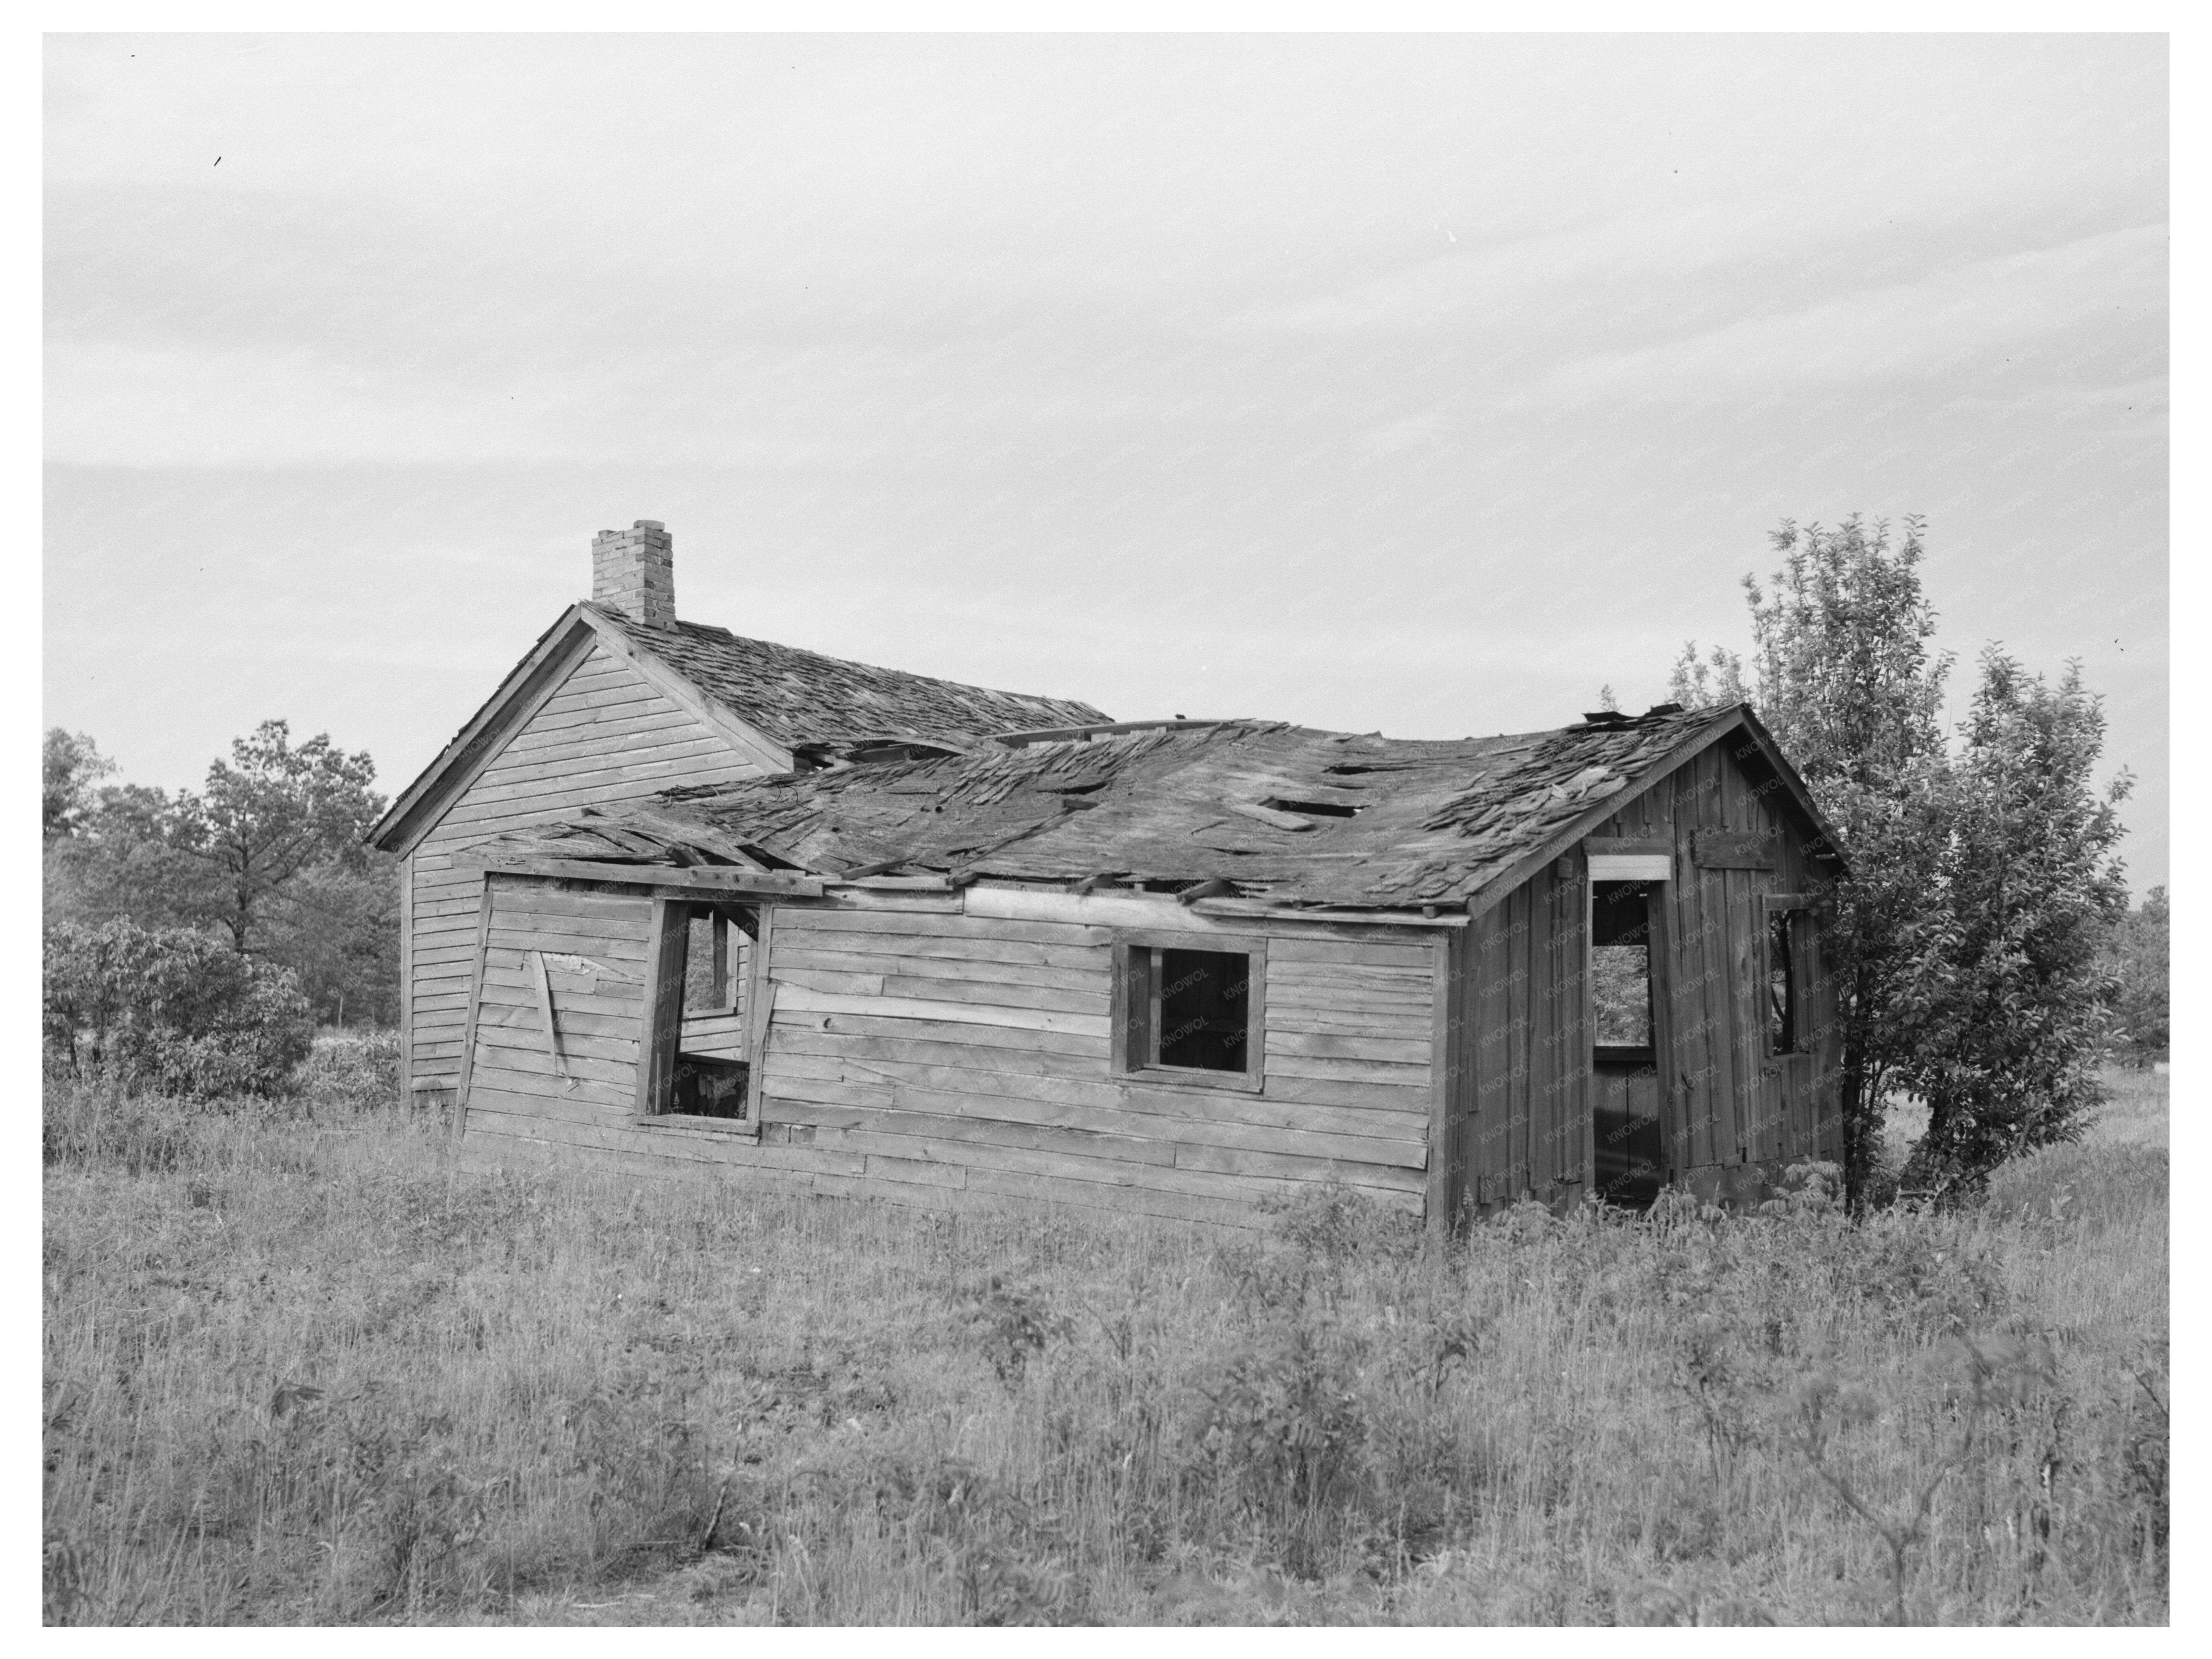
<point x="606" y="734"/>
<point x="979" y="1043"/>
<point x="921" y="1053"/>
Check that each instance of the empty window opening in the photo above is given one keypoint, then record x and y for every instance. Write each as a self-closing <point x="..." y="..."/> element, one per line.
<point x="1204" y="1006"/>
<point x="1620" y="965"/>
<point x="697" y="1064"/>
<point x="1315" y="809"/>
<point x="1785" y="1027"/>
<point x="1189" y="1014"/>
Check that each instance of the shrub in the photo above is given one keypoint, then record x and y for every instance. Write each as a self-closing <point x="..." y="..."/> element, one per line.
<point x="358" y="1072"/>
<point x="170" y="1009"/>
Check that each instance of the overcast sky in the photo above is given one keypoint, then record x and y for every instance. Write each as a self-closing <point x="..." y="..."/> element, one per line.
<point x="1417" y="384"/>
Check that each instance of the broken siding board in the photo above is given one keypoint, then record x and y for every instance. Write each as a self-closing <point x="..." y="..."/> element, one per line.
<point x="809" y="919"/>
<point x="1313" y="1045"/>
<point x="1348" y="1000"/>
<point x="800" y="999"/>
<point x="1070" y="1047"/>
<point x="564" y="775"/>
<point x="664" y="1138"/>
<point x="1083" y="978"/>
<point x="518" y="801"/>
<point x="1291" y="1067"/>
<point x="459" y="1126"/>
<point x="669" y="1141"/>
<point x="1096" y="1125"/>
<point x="1409" y="959"/>
<point x="523" y="1032"/>
<point x="1222" y="1160"/>
<point x="921" y="1091"/>
<point x="1041" y="1098"/>
<point x="954" y="1045"/>
<point x="507" y="1069"/>
<point x="534" y="896"/>
<point x="989" y="1160"/>
<point x="507" y="990"/>
<point x="1009" y="952"/>
<point x="619" y="926"/>
<point x="575" y="1022"/>
<point x="1090" y="1001"/>
<point x="516" y="1051"/>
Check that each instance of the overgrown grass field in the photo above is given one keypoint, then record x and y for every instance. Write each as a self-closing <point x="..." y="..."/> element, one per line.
<point x="299" y="1368"/>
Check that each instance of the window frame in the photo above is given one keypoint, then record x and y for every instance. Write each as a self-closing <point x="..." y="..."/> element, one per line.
<point x="1624" y="1054"/>
<point x="1132" y="1027"/>
<point x="660" y="1032"/>
<point x="1799" y="908"/>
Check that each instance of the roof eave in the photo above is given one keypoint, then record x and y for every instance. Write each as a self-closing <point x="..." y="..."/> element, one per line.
<point x="399" y="828"/>
<point x="1494" y="891"/>
<point x="417" y="811"/>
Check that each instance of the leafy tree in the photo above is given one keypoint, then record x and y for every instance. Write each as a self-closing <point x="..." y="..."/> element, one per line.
<point x="274" y="810"/>
<point x="121" y="861"/>
<point x="337" y="928"/>
<point x="2138" y="962"/>
<point x="1851" y="687"/>
<point x="1715" y="682"/>
<point x="72" y="764"/>
<point x="2007" y="989"/>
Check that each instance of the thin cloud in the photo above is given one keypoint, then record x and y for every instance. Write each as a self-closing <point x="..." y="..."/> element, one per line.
<point x="1904" y="330"/>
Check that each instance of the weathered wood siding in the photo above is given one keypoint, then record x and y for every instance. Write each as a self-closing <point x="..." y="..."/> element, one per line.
<point x="1524" y="1122"/>
<point x="974" y="1053"/>
<point x="604" y="734"/>
<point x="919" y="1053"/>
<point x="1734" y="1117"/>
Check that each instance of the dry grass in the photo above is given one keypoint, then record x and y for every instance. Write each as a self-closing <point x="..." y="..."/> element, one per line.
<point x="303" y="1371"/>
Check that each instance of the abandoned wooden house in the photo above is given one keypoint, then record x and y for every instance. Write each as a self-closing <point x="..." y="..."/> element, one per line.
<point x="679" y="899"/>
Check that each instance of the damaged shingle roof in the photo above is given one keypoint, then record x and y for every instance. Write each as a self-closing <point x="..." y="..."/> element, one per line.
<point x="799" y="697"/>
<point x="1285" y="812"/>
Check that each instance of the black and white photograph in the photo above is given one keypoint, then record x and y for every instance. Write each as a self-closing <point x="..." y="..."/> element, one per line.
<point x="1061" y="822"/>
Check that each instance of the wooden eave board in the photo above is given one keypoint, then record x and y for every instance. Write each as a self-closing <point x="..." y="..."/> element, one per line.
<point x="479" y="739"/>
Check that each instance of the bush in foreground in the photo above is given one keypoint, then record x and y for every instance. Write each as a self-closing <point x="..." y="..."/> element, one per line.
<point x="171" y="1010"/>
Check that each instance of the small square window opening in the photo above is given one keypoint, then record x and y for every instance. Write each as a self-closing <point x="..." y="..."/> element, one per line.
<point x="1188" y="1010"/>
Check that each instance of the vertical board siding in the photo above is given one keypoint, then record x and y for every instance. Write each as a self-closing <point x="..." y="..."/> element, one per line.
<point x="1527" y="1132"/>
<point x="606" y="734"/>
<point x="1734" y="1116"/>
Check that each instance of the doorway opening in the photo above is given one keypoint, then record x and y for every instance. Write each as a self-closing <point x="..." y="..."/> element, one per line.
<point x="1628" y="1141"/>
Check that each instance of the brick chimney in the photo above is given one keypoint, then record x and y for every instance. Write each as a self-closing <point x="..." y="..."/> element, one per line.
<point x="633" y="570"/>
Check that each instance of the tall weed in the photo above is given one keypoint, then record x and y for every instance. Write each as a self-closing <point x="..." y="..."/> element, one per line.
<point x="301" y="1367"/>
